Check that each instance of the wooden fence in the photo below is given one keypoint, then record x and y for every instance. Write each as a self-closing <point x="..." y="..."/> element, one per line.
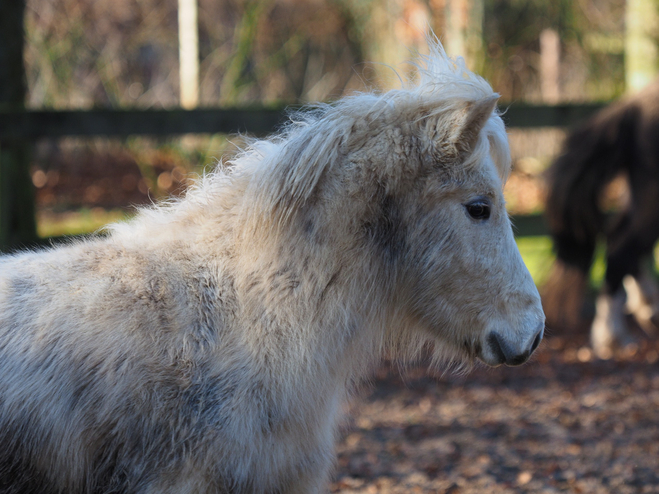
<point x="22" y="125"/>
<point x="18" y="128"/>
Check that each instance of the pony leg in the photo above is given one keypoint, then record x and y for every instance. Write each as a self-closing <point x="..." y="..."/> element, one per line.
<point x="643" y="299"/>
<point x="630" y="246"/>
<point x="609" y="327"/>
<point x="628" y="243"/>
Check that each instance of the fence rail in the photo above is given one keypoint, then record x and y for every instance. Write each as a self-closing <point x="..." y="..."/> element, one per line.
<point x="124" y="123"/>
<point x="20" y="125"/>
<point x="18" y="128"/>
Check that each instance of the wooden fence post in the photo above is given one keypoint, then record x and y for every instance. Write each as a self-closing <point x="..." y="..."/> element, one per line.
<point x="17" y="222"/>
<point x="188" y="49"/>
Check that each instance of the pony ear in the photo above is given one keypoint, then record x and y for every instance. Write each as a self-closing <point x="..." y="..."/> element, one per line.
<point x="469" y="123"/>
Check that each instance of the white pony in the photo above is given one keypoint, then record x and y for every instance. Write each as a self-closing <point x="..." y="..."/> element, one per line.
<point x="208" y="345"/>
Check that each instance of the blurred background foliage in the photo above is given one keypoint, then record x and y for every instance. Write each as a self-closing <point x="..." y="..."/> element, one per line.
<point x="109" y="53"/>
<point x="591" y="34"/>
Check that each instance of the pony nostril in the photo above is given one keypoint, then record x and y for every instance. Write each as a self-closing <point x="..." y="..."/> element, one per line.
<point x="538" y="338"/>
<point x="519" y="359"/>
<point x="504" y="353"/>
<point x="495" y="345"/>
<point x="536" y="342"/>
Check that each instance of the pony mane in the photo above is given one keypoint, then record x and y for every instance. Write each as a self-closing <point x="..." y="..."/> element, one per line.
<point x="278" y="174"/>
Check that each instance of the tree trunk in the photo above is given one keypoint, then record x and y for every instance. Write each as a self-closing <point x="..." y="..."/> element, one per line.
<point x="463" y="31"/>
<point x="550" y="66"/>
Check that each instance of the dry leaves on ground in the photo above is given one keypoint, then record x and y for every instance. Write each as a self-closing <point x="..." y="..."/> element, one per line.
<point x="564" y="422"/>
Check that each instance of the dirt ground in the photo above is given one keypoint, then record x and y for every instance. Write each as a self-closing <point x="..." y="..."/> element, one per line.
<point x="564" y="422"/>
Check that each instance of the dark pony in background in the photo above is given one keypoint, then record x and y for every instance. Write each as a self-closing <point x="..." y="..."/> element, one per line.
<point x="622" y="139"/>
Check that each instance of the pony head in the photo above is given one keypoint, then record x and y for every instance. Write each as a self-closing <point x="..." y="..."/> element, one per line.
<point x="401" y="195"/>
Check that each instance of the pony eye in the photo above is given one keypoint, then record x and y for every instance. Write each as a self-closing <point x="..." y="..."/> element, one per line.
<point x="479" y="210"/>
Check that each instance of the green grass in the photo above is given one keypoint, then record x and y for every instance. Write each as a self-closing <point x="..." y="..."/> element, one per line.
<point x="81" y="222"/>
<point x="539" y="257"/>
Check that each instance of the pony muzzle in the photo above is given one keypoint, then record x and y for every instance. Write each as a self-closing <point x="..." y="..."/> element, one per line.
<point x="499" y="350"/>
